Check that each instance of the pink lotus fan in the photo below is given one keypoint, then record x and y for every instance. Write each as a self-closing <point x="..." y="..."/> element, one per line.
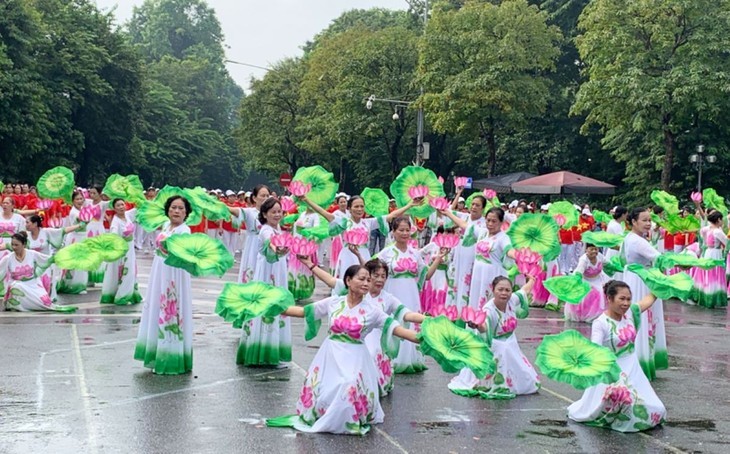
<point x="44" y="204"/>
<point x="489" y="194"/>
<point x="288" y="205"/>
<point x="418" y="191"/>
<point x="460" y="182"/>
<point x="299" y="189"/>
<point x="281" y="240"/>
<point x="86" y="214"/>
<point x="446" y="240"/>
<point x="356" y="237"/>
<point x="696" y="197"/>
<point x="439" y="203"/>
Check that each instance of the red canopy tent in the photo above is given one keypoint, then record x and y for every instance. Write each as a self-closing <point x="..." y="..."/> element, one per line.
<point x="562" y="182"/>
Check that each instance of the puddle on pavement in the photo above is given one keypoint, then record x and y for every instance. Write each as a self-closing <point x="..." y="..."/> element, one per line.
<point x="552" y="433"/>
<point x="271" y="378"/>
<point x="442" y="427"/>
<point x="549" y="422"/>
<point x="693" y="425"/>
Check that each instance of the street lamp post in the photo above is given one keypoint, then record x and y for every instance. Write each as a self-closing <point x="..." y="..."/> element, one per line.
<point x="699" y="159"/>
<point x="400" y="104"/>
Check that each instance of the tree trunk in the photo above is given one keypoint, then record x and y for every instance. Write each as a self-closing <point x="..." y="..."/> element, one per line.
<point x="492" y="152"/>
<point x="668" y="154"/>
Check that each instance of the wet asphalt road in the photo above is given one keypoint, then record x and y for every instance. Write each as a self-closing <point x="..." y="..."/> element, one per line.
<point x="68" y="384"/>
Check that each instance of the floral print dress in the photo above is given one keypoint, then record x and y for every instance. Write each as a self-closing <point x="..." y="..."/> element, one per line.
<point x="489" y="259"/>
<point x="593" y="304"/>
<point x="630" y="404"/>
<point x="266" y="341"/>
<point x="96" y="228"/>
<point x="21" y="284"/>
<point x="120" y="279"/>
<point x="249" y="216"/>
<point x="383" y="363"/>
<point x="74" y="281"/>
<point x="515" y="375"/>
<point x="344" y="222"/>
<point x="165" y="338"/>
<point x="8" y="228"/>
<point x="407" y="273"/>
<point x="47" y="242"/>
<point x="340" y="392"/>
<point x="462" y="264"/>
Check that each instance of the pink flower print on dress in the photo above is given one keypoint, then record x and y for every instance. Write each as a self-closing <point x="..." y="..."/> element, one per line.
<point x="483" y="248"/>
<point x="22" y="272"/>
<point x="7" y="228"/>
<point x="46" y="282"/>
<point x="656" y="418"/>
<point x="406" y="265"/>
<point x="509" y="382"/>
<point x="413" y="244"/>
<point x="128" y="230"/>
<point x="348" y="326"/>
<point x="626" y="335"/>
<point x="615" y="397"/>
<point x="652" y="325"/>
<point x="467" y="279"/>
<point x="306" y="397"/>
<point x="46" y="300"/>
<point x="509" y="324"/>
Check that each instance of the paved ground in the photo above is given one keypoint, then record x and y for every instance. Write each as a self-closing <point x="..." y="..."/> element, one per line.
<point x="68" y="384"/>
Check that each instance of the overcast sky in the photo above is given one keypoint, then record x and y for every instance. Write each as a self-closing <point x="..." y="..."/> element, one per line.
<point x="262" y="32"/>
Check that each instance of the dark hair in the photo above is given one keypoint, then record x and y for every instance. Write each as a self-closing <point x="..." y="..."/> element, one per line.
<point x="498" y="211"/>
<point x="587" y="245"/>
<point x="186" y="202"/>
<point x="75" y="193"/>
<point x="21" y="236"/>
<point x="266" y="207"/>
<point x="398" y="220"/>
<point x="258" y="188"/>
<point x="714" y="217"/>
<point x="35" y="219"/>
<point x="484" y="201"/>
<point x="657" y="210"/>
<point x="337" y="199"/>
<point x="634" y="214"/>
<point x="352" y="199"/>
<point x="611" y="288"/>
<point x="440" y="229"/>
<point x="376" y="264"/>
<point x="114" y="202"/>
<point x="499" y="279"/>
<point x="98" y="188"/>
<point x="619" y="211"/>
<point x="351" y="272"/>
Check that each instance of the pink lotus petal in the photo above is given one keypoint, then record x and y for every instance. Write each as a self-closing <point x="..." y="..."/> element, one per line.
<point x="418" y="191"/>
<point x="479" y="317"/>
<point x="356" y="237"/>
<point x="446" y="240"/>
<point x="460" y="182"/>
<point x="299" y="189"/>
<point x="489" y="194"/>
<point x="441" y="179"/>
<point x="439" y="203"/>
<point x="55" y="223"/>
<point x="86" y="214"/>
<point x="696" y="197"/>
<point x="44" y="204"/>
<point x="288" y="205"/>
<point x="560" y="219"/>
<point x="281" y="240"/>
<point x="452" y="313"/>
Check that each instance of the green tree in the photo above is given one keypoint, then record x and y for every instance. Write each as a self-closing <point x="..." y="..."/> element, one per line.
<point x="653" y="68"/>
<point x="483" y="67"/>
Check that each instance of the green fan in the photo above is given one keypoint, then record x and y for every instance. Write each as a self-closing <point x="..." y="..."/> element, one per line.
<point x="194" y="218"/>
<point x="56" y="183"/>
<point x="239" y="303"/>
<point x="675" y="223"/>
<point x="324" y="186"/>
<point x="571" y="289"/>
<point x="712" y="200"/>
<point x="602" y="216"/>
<point x="77" y="256"/>
<point x="376" y="201"/>
<point x="602" y="239"/>
<point x="455" y="348"/>
<point x="567" y="210"/>
<point x="666" y="201"/>
<point x="537" y="232"/>
<point x="669" y="260"/>
<point x="491" y="203"/>
<point x="151" y="215"/>
<point x="128" y="188"/>
<point x="109" y="247"/>
<point x="662" y="286"/>
<point x="2" y="187"/>
<point x="412" y="176"/>
<point x="198" y="254"/>
<point x="614" y="265"/>
<point x="211" y="207"/>
<point x="569" y="357"/>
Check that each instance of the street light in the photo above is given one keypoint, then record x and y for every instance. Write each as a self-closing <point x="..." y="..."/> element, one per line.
<point x="699" y="159"/>
<point x="401" y="104"/>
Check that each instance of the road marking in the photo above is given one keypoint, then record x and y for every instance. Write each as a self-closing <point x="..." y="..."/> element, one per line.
<point x="90" y="426"/>
<point x="664" y="445"/>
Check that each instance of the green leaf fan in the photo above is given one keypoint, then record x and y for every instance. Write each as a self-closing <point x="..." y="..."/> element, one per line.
<point x="318" y="233"/>
<point x="239" y="303"/>
<point x="455" y="348"/>
<point x="77" y="256"/>
<point x="198" y="254"/>
<point x="56" y="183"/>
<point x="109" y="247"/>
<point x="571" y="289"/>
<point x="376" y="201"/>
<point x="666" y="201"/>
<point x="324" y="186"/>
<point x="669" y="260"/>
<point x="151" y="215"/>
<point x="211" y="207"/>
<point x="569" y="357"/>
<point x="662" y="286"/>
<point x="615" y="264"/>
<point x="537" y="232"/>
<point x="128" y="188"/>
<point x="568" y="211"/>
<point x="675" y="223"/>
<point x="412" y="176"/>
<point x="602" y="239"/>
<point x="168" y="191"/>
<point x="712" y="200"/>
<point x="602" y="216"/>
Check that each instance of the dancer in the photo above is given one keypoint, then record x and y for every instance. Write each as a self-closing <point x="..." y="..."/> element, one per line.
<point x="408" y="273"/>
<point x="20" y="283"/>
<point x="10" y="223"/>
<point x="250" y="217"/>
<point x="165" y="338"/>
<point x="616" y="226"/>
<point x="96" y="227"/>
<point x="651" y="344"/>
<point x="590" y="266"/>
<point x="340" y="392"/>
<point x="515" y="375"/>
<point x="266" y="341"/>
<point x="630" y="404"/>
<point x="120" y="279"/>
<point x="74" y="281"/>
<point x="712" y="283"/>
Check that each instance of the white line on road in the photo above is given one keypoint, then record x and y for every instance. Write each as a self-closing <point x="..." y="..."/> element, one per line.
<point x="83" y="388"/>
